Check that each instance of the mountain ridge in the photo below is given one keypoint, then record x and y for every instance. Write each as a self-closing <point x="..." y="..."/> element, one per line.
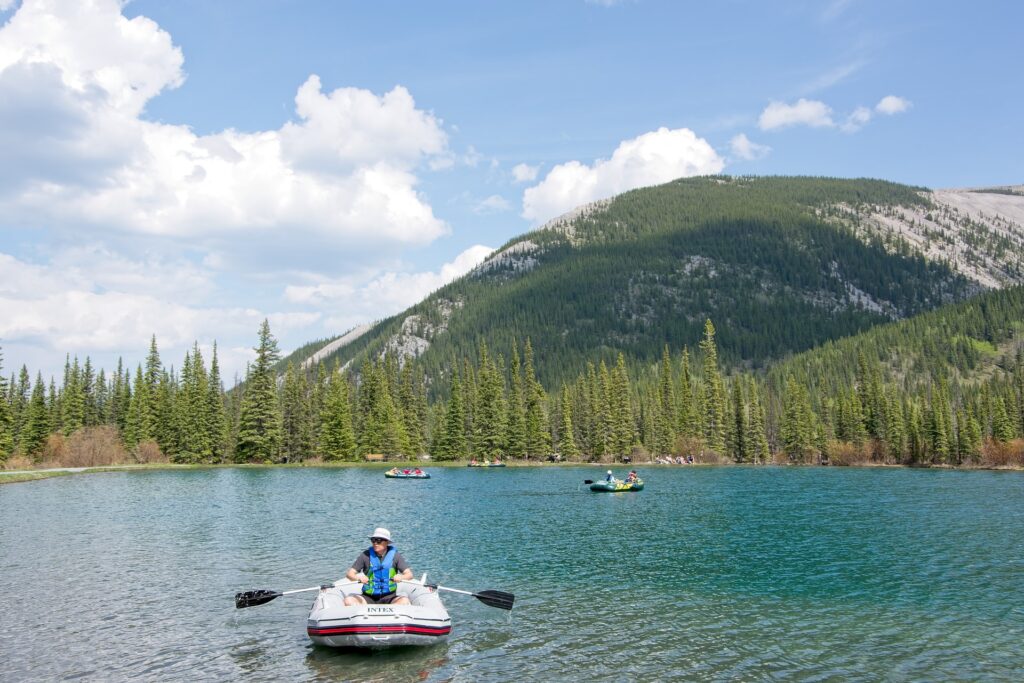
<point x="836" y="255"/>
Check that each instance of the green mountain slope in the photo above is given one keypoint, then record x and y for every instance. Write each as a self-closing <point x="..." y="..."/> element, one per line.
<point x="780" y="264"/>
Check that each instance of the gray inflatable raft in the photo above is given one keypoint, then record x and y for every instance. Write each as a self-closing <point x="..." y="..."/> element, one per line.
<point x="424" y="622"/>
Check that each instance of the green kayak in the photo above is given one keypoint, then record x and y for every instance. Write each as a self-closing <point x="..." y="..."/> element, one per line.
<point x="617" y="485"/>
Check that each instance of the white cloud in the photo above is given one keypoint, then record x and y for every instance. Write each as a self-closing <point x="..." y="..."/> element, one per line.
<point x="743" y="148"/>
<point x="493" y="204"/>
<point x="650" y="159"/>
<point x="355" y="299"/>
<point x="891" y="104"/>
<point x="71" y="305"/>
<point x="524" y="173"/>
<point x="803" y="113"/>
<point x="74" y="79"/>
<point x="856" y="120"/>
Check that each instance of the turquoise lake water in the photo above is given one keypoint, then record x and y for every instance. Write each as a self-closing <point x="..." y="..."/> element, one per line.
<point x="708" y="574"/>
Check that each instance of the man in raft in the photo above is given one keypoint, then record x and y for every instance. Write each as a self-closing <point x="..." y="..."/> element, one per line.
<point x="379" y="568"/>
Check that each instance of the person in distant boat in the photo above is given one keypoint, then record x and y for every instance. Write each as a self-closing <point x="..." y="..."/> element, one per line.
<point x="380" y="568"/>
<point x="632" y="477"/>
<point x="473" y="461"/>
<point x="417" y="471"/>
<point x="610" y="478"/>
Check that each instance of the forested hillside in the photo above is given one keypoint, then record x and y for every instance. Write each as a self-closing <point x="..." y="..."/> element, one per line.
<point x="729" y="319"/>
<point x="780" y="264"/>
<point x="943" y="388"/>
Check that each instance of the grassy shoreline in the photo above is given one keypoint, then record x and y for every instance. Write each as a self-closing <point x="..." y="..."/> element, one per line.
<point x="44" y="473"/>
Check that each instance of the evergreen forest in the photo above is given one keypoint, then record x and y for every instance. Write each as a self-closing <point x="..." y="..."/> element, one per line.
<point x="945" y="387"/>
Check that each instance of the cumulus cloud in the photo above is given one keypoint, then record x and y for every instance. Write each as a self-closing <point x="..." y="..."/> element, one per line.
<point x="524" y="173"/>
<point x="192" y="216"/>
<point x="857" y="119"/>
<point x="113" y="309"/>
<point x="743" y="148"/>
<point x="493" y="204"/>
<point x="74" y="79"/>
<point x="650" y="159"/>
<point x="802" y="113"/>
<point x="891" y="104"/>
<point x="357" y="298"/>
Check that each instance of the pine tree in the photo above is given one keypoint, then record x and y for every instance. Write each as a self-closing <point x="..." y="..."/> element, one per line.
<point x="296" y="432"/>
<point x="72" y="400"/>
<point x="138" y="427"/>
<point x="451" y="442"/>
<point x="18" y="407"/>
<point x="6" y="418"/>
<point x="538" y="435"/>
<point x="37" y="423"/>
<point x="621" y="410"/>
<point x="90" y="409"/>
<point x="1002" y="425"/>
<point x="756" y="441"/>
<point x="259" y="429"/>
<point x="217" y="422"/>
<point x="567" y="441"/>
<point x="337" y="437"/>
<point x="687" y="423"/>
<point x="797" y="428"/>
<point x="666" y="415"/>
<point x="413" y="416"/>
<point x="895" y="433"/>
<point x="738" y="424"/>
<point x="714" y="393"/>
<point x="516" y="421"/>
<point x="489" y="436"/>
<point x="159" y="417"/>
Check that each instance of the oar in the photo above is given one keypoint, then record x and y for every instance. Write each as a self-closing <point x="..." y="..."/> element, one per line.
<point x="588" y="481"/>
<point x="262" y="596"/>
<point x="499" y="599"/>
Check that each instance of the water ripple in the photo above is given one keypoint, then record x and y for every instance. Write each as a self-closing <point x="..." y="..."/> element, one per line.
<point x="708" y="574"/>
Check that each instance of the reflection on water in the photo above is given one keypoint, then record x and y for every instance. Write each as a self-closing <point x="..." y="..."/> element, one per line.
<point x="707" y="574"/>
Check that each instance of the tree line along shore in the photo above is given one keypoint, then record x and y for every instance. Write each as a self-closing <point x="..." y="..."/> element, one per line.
<point x="840" y="406"/>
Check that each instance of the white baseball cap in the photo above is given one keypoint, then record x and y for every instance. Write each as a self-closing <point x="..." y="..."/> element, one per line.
<point x="381" y="532"/>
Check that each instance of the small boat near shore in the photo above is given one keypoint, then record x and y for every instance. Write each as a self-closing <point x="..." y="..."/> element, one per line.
<point x="333" y="624"/>
<point x="395" y="473"/>
<point x="616" y="486"/>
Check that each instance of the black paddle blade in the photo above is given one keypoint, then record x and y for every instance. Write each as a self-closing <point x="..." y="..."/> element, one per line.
<point x="253" y="598"/>
<point x="588" y="481"/>
<point x="499" y="599"/>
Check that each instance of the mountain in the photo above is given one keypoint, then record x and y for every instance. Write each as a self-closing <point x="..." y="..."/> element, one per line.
<point x="780" y="264"/>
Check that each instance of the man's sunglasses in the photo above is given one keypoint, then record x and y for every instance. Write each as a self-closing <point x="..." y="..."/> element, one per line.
<point x="378" y="540"/>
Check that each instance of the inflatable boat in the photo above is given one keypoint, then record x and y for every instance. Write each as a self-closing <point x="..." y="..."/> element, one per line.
<point x="424" y="622"/>
<point x="402" y="474"/>
<point x="617" y="485"/>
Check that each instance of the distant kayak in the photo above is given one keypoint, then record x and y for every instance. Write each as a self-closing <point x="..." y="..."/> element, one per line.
<point x="486" y="464"/>
<point x="402" y="474"/>
<point x="617" y="485"/>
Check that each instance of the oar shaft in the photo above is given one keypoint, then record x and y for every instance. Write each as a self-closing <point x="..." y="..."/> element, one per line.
<point x="304" y="590"/>
<point x="440" y="588"/>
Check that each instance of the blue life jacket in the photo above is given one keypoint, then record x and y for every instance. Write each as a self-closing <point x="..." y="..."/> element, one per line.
<point x="382" y="573"/>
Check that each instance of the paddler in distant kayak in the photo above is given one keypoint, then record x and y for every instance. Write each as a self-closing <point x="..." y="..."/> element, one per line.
<point x="379" y="568"/>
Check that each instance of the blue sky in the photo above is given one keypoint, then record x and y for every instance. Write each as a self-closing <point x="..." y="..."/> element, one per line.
<point x="185" y="168"/>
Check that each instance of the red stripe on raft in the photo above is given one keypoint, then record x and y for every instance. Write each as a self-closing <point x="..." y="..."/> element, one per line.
<point x="357" y="630"/>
